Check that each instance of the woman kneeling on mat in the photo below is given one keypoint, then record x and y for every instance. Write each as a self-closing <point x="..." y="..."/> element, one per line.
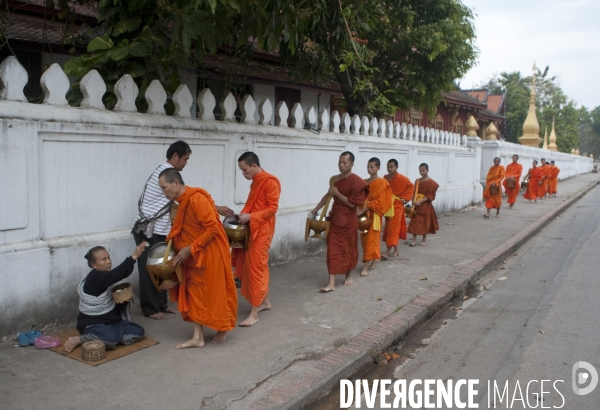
<point x="100" y="318"/>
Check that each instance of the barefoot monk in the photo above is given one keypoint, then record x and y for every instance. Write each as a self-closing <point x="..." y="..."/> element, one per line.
<point x="425" y="221"/>
<point x="513" y="170"/>
<point x="207" y="296"/>
<point x="378" y="204"/>
<point x="252" y="264"/>
<point x="493" y="191"/>
<point x="395" y="226"/>
<point x="349" y="193"/>
<point x="554" y="179"/>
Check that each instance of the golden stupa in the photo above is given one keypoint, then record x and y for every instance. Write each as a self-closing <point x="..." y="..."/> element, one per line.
<point x="545" y="144"/>
<point x="552" y="146"/>
<point x="472" y="126"/>
<point x="531" y="127"/>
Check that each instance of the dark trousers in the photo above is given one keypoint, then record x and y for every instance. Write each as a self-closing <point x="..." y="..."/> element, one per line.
<point x="124" y="332"/>
<point x="151" y="300"/>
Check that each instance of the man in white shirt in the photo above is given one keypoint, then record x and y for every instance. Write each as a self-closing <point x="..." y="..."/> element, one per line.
<point x="152" y="226"/>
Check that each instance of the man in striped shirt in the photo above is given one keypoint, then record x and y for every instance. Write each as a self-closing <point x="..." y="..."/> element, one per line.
<point x="153" y="226"/>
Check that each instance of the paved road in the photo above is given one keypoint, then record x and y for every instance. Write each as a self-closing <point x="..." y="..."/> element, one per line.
<point x="531" y="319"/>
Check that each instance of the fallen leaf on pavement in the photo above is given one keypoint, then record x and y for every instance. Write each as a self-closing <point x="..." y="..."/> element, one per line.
<point x="503" y="278"/>
<point x="456" y="309"/>
<point x="505" y="262"/>
<point x="515" y="254"/>
<point x="379" y="298"/>
<point x="542" y="332"/>
<point x="484" y="287"/>
<point x="542" y="281"/>
<point x="504" y="267"/>
<point x="465" y="297"/>
<point x="425" y="278"/>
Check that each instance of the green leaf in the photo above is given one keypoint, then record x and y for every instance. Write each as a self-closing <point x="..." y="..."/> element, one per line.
<point x="100" y="43"/>
<point x="118" y="53"/>
<point x="76" y="67"/>
<point x="343" y="67"/>
<point x="139" y="50"/>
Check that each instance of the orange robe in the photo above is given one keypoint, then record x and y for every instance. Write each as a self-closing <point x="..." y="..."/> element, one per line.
<point x="342" y="241"/>
<point x="554" y="180"/>
<point x="535" y="176"/>
<point x="543" y="188"/>
<point x="379" y="202"/>
<point x="495" y="176"/>
<point x="515" y="171"/>
<point x="207" y="295"/>
<point x="425" y="222"/>
<point x="395" y="227"/>
<point x="252" y="264"/>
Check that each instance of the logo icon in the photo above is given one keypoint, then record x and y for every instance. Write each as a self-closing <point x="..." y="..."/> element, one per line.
<point x="581" y="378"/>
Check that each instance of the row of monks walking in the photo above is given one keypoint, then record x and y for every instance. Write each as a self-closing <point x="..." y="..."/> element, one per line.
<point x="541" y="182"/>
<point x="208" y="272"/>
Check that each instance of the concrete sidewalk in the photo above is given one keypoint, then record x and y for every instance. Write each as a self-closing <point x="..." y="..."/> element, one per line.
<point x="298" y="347"/>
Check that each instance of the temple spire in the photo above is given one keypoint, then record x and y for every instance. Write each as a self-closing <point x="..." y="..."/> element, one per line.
<point x="545" y="144"/>
<point x="531" y="127"/>
<point x="552" y="146"/>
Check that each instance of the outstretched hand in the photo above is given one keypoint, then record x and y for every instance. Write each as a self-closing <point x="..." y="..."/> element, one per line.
<point x="225" y="211"/>
<point x="139" y="250"/>
<point x="244" y="218"/>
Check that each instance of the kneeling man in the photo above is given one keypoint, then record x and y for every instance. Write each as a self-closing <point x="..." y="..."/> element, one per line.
<point x="207" y="296"/>
<point x="100" y="318"/>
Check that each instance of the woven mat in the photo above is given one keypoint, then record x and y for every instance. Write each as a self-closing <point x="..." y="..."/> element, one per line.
<point x="120" y="351"/>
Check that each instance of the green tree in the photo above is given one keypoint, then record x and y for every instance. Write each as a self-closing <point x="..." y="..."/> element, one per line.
<point x="517" y="103"/>
<point x="384" y="53"/>
<point x="389" y="53"/>
<point x="589" y="131"/>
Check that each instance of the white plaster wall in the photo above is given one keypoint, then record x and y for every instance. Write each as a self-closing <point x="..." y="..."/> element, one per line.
<point x="261" y="92"/>
<point x="72" y="178"/>
<point x="314" y="99"/>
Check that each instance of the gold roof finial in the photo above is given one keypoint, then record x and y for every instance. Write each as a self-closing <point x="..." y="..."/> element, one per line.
<point x="531" y="127"/>
<point x="545" y="144"/>
<point x="491" y="132"/>
<point x="552" y="146"/>
<point x="472" y="126"/>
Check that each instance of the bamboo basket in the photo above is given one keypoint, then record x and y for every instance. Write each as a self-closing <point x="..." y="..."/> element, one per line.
<point x="122" y="293"/>
<point x="93" y="351"/>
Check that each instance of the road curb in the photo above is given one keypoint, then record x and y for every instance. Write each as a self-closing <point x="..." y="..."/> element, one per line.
<point x="345" y="361"/>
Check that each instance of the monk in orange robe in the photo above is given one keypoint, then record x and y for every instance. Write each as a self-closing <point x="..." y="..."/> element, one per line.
<point x="378" y="204"/>
<point x="554" y="176"/>
<point x="207" y="296"/>
<point x="349" y="193"/>
<point x="395" y="226"/>
<point x="425" y="221"/>
<point x="543" y="187"/>
<point x="493" y="180"/>
<point x="513" y="170"/>
<point x="252" y="264"/>
<point x="534" y="179"/>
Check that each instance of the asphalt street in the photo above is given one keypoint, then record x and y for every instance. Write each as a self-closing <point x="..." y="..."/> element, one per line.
<point x="529" y="321"/>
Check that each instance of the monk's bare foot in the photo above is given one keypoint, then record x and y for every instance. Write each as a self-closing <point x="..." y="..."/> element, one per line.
<point x="384" y="257"/>
<point x="266" y="305"/>
<point x="252" y="320"/>
<point x="486" y="216"/>
<point x="72" y="343"/>
<point x="497" y="215"/>
<point x="373" y="264"/>
<point x="169" y="310"/>
<point x="348" y="281"/>
<point x="413" y="243"/>
<point x="158" y="316"/>
<point x="328" y="289"/>
<point x="190" y="343"/>
<point x="365" y="272"/>
<point x="423" y="243"/>
<point x="395" y="254"/>
<point x="220" y="337"/>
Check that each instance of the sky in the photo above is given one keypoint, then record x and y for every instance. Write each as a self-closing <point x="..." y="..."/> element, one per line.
<point x="564" y="35"/>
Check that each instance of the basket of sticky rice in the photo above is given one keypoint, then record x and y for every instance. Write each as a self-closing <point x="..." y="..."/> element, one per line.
<point x="122" y="292"/>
